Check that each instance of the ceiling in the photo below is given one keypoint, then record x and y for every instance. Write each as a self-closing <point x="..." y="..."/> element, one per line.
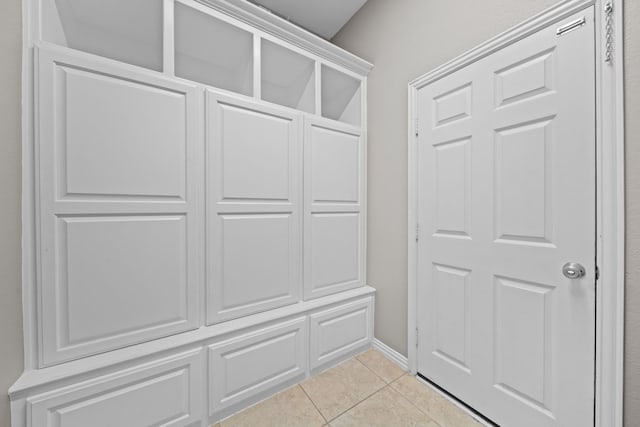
<point x="322" y="17"/>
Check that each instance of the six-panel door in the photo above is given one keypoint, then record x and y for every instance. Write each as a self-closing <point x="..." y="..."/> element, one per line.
<point x="506" y="197"/>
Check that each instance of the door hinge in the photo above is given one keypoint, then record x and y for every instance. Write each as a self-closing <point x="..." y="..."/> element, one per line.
<point x="417" y="335"/>
<point x="417" y="232"/>
<point x="417" y="132"/>
<point x="597" y="272"/>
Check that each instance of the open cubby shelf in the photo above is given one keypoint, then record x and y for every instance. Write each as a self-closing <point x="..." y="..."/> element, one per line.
<point x="213" y="52"/>
<point x="124" y="30"/>
<point x="288" y="78"/>
<point x="207" y="48"/>
<point x="341" y="96"/>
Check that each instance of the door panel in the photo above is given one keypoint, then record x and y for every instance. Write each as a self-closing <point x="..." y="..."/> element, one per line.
<point x="245" y="368"/>
<point x="335" y="250"/>
<point x="255" y="154"/>
<point x="452" y="288"/>
<point x="452" y="202"/>
<point x="116" y="265"/>
<point x="253" y="207"/>
<point x="97" y="133"/>
<point x="507" y="195"/>
<point x="334" y="193"/>
<point x="162" y="392"/>
<point x="118" y="224"/>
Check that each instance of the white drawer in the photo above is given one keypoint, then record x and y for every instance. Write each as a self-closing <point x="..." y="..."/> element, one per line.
<point x="248" y="367"/>
<point x="166" y="392"/>
<point x="341" y="330"/>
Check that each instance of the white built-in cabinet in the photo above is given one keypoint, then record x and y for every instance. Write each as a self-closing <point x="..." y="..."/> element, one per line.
<point x="197" y="178"/>
<point x="253" y="207"/>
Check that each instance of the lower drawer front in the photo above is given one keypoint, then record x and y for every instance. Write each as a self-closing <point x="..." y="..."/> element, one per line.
<point x="244" y="368"/>
<point x="167" y="392"/>
<point x="340" y="330"/>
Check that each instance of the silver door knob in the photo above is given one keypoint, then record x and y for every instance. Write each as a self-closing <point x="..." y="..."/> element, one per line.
<point x="573" y="270"/>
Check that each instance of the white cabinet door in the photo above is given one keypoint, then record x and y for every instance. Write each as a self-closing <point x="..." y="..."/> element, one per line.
<point x="506" y="198"/>
<point x="249" y="367"/>
<point x="117" y="159"/>
<point x="253" y="207"/>
<point x="339" y="331"/>
<point x="333" y="207"/>
<point x="165" y="392"/>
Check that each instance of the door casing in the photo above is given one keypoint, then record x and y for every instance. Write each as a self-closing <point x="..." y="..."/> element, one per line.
<point x="609" y="191"/>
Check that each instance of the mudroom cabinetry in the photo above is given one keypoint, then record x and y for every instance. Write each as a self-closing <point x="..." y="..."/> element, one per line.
<point x="197" y="171"/>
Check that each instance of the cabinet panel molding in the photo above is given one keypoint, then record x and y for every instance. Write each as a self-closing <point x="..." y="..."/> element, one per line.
<point x="166" y="392"/>
<point x="117" y="207"/>
<point x="253" y="207"/>
<point x="246" y="366"/>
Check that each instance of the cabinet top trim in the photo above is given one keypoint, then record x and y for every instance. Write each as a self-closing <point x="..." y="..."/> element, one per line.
<point x="266" y="21"/>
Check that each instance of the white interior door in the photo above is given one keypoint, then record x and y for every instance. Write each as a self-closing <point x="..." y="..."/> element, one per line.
<point x="506" y="198"/>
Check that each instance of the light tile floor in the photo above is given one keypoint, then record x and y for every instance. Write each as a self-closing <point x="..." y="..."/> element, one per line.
<point x="366" y="390"/>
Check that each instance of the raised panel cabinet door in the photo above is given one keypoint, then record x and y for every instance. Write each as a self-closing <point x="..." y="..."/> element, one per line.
<point x="333" y="207"/>
<point x="339" y="331"/>
<point x="166" y="392"/>
<point x="119" y="204"/>
<point x="253" y="177"/>
<point x="249" y="367"/>
<point x="506" y="197"/>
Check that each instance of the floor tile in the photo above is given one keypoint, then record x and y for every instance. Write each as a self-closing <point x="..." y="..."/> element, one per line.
<point x="338" y="389"/>
<point x="385" y="408"/>
<point x="431" y="402"/>
<point x="383" y="367"/>
<point x="290" y="408"/>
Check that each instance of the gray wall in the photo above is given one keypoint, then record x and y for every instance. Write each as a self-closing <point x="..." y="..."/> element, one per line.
<point x="632" y="167"/>
<point x="406" y="38"/>
<point x="10" y="147"/>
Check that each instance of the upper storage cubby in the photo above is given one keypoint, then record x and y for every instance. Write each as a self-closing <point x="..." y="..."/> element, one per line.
<point x="211" y="51"/>
<point x="341" y="96"/>
<point x="288" y="78"/>
<point x="124" y="30"/>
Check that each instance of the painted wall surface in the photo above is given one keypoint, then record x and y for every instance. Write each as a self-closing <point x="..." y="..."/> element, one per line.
<point x="405" y="39"/>
<point x="632" y="169"/>
<point x="11" y="353"/>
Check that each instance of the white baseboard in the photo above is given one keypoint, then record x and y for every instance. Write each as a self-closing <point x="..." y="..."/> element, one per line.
<point x="391" y="353"/>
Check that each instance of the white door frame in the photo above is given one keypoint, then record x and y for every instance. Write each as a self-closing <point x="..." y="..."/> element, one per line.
<point x="609" y="190"/>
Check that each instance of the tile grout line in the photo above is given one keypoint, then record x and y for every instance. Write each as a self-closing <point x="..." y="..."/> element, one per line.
<point x="314" y="404"/>
<point x="356" y="404"/>
<point x="457" y="405"/>
<point x="412" y="403"/>
<point x="376" y="374"/>
<point x="433" y="389"/>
